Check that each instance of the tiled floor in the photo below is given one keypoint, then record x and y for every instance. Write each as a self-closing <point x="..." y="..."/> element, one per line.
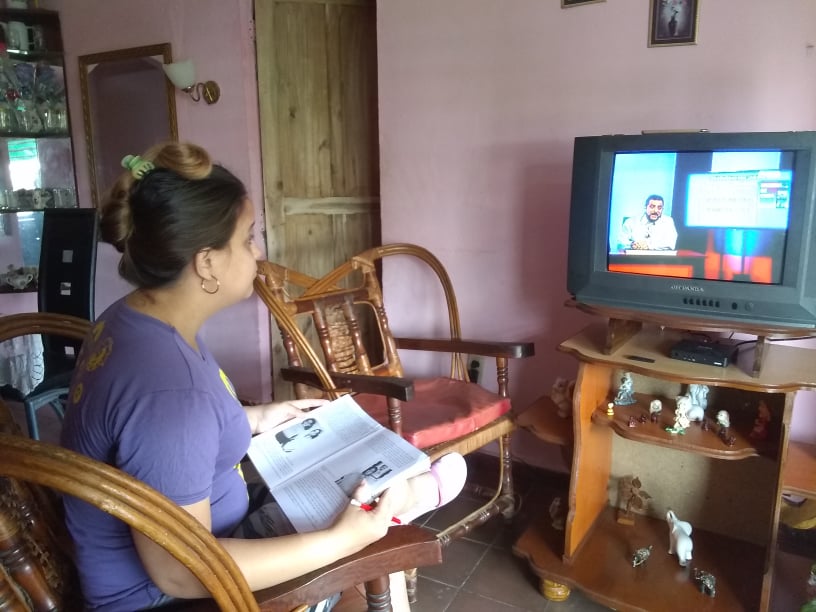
<point x="479" y="573"/>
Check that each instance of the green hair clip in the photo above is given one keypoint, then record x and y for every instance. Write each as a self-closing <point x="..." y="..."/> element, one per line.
<point x="138" y="167"/>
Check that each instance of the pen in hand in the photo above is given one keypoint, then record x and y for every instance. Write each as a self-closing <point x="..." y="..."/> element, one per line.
<point x="369" y="508"/>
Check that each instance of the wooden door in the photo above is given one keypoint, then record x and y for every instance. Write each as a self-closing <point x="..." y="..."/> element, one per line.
<point x="317" y="87"/>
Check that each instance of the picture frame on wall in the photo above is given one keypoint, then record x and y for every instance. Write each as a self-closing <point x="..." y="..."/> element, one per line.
<point x="673" y="22"/>
<point x="569" y="3"/>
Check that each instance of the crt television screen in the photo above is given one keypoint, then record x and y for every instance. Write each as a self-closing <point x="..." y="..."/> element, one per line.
<point x="717" y="215"/>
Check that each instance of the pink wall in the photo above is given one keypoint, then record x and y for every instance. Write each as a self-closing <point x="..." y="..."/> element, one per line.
<point x="480" y="101"/>
<point x="217" y="35"/>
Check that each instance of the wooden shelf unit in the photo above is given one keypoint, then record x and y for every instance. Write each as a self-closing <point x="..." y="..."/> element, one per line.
<point x="594" y="552"/>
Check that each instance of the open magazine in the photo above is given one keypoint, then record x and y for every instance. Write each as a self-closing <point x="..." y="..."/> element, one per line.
<point x="313" y="465"/>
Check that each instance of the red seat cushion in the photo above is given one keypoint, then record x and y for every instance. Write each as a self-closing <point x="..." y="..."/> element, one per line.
<point x="442" y="409"/>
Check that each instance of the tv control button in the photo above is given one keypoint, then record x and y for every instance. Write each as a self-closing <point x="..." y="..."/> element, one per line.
<point x="749" y="306"/>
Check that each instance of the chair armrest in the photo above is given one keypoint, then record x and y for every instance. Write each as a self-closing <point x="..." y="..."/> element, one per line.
<point x="402" y="548"/>
<point x="513" y="350"/>
<point x="390" y="386"/>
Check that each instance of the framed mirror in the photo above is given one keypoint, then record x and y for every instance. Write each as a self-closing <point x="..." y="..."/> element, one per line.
<point x="128" y="105"/>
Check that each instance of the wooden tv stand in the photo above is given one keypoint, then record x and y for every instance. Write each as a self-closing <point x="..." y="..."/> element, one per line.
<point x="731" y="494"/>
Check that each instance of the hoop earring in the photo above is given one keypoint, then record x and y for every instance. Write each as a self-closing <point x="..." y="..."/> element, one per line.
<point x="205" y="290"/>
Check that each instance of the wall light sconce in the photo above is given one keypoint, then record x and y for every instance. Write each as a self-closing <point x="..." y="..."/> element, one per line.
<point x="182" y="75"/>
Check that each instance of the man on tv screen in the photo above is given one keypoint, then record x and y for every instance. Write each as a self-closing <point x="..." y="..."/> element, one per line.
<point x="652" y="231"/>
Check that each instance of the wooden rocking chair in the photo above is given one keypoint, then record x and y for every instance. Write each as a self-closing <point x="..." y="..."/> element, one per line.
<point x="439" y="415"/>
<point x="36" y="567"/>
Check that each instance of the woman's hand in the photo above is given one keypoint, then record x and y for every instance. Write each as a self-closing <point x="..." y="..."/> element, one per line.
<point x="267" y="416"/>
<point x="356" y="528"/>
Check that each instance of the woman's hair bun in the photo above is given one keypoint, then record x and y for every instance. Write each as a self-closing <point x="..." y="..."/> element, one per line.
<point x="188" y="160"/>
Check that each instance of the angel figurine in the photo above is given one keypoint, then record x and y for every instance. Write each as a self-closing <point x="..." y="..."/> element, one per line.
<point x="626" y="394"/>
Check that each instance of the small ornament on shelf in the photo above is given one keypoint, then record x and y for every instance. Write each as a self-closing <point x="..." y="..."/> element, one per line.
<point x="610" y="409"/>
<point x="679" y="538"/>
<point x="626" y="392"/>
<point x="561" y="395"/>
<point x="641" y="556"/>
<point x="557" y="514"/>
<point x="760" y="430"/>
<point x="681" y="419"/>
<point x="655" y="408"/>
<point x="632" y="498"/>
<point x="699" y="395"/>
<point x="724" y="421"/>
<point x="693" y="411"/>
<point x="706" y="582"/>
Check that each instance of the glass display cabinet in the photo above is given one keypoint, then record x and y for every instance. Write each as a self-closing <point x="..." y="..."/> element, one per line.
<point x="36" y="154"/>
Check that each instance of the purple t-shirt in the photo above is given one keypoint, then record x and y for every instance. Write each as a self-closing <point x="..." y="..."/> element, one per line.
<point x="145" y="401"/>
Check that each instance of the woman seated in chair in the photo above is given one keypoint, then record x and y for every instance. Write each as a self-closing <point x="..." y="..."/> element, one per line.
<point x="149" y="398"/>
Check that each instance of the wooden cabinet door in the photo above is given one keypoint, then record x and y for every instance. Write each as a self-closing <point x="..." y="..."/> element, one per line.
<point x="317" y="87"/>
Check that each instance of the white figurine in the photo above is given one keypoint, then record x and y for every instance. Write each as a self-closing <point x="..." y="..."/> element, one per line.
<point x="625" y="396"/>
<point x="681" y="419"/>
<point x="655" y="408"/>
<point x="698" y="395"/>
<point x="693" y="411"/>
<point x="561" y="395"/>
<point x="723" y="419"/>
<point x="679" y="538"/>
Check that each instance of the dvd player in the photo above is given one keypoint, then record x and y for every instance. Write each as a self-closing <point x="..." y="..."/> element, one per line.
<point x="709" y="353"/>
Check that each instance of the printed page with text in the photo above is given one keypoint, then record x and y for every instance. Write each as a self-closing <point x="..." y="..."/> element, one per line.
<point x="312" y="465"/>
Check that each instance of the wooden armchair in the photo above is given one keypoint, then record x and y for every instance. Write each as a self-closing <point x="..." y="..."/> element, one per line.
<point x="36" y="569"/>
<point x="440" y="415"/>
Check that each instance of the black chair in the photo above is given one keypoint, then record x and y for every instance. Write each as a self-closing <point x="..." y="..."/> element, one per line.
<point x="65" y="286"/>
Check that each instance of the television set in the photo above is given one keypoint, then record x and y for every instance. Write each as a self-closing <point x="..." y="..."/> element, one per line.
<point x="696" y="224"/>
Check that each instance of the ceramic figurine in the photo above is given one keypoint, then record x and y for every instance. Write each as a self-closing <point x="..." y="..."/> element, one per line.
<point x="655" y="407"/>
<point x="706" y="582"/>
<point x="679" y="538"/>
<point x="632" y="498"/>
<point x="556" y="515"/>
<point x="723" y="420"/>
<point x="610" y="409"/>
<point x="689" y="408"/>
<point x="561" y="395"/>
<point x="681" y="420"/>
<point x="632" y="421"/>
<point x="760" y="430"/>
<point x="698" y="395"/>
<point x="641" y="556"/>
<point x="626" y="394"/>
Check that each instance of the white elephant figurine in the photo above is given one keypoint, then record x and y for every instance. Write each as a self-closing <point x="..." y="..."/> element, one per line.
<point x="679" y="538"/>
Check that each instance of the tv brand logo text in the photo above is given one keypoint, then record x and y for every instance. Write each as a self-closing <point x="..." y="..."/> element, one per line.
<point x="687" y="288"/>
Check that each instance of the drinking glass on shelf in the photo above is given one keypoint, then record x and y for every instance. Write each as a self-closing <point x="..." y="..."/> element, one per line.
<point x="64" y="197"/>
<point x="8" y="122"/>
<point x="28" y="117"/>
